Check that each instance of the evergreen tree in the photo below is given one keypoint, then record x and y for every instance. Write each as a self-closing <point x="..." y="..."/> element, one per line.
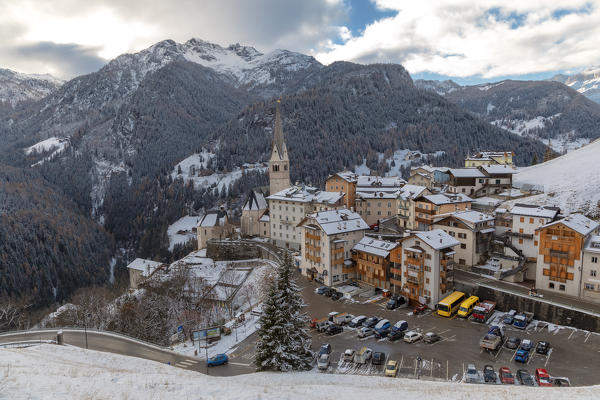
<point x="284" y="343"/>
<point x="534" y="160"/>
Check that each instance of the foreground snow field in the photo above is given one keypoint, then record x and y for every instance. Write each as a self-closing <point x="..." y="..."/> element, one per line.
<point x="53" y="372"/>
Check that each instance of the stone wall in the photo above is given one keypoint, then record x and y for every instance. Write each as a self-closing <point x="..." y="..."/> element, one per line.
<point x="241" y="250"/>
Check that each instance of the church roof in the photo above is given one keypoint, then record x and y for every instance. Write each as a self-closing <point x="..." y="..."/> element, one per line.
<point x="256" y="201"/>
<point x="278" y="136"/>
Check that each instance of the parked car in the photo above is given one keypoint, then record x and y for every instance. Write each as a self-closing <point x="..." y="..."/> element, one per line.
<point x="431" y="337"/>
<point x="332" y="315"/>
<point x="382" y="333"/>
<point x="471" y="374"/>
<point x="391" y="369"/>
<point x="542" y="377"/>
<point x="489" y="375"/>
<point x="363" y="355"/>
<point x="349" y="355"/>
<point x="328" y="292"/>
<point x="395" y="335"/>
<point x="412" y="336"/>
<point x="336" y="295"/>
<point x="506" y="376"/>
<point x="509" y="317"/>
<point x="219" y="359"/>
<point x="322" y="289"/>
<point x="522" y="356"/>
<point x="382" y="325"/>
<point x="525" y="377"/>
<point x="542" y="347"/>
<point x="323" y="361"/>
<point x="561" y="382"/>
<point x="365" y="332"/>
<point x="334" y="329"/>
<point x="378" y="358"/>
<point x="512" y="342"/>
<point x="357" y="321"/>
<point x="325" y="349"/>
<point x="526" y="345"/>
<point x="371" y="322"/>
<point x="400" y="326"/>
<point x="396" y="302"/>
<point x="343" y="318"/>
<point x="323" y="325"/>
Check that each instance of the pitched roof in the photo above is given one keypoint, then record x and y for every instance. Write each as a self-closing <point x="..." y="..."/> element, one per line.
<point x="439" y="199"/>
<point x="379" y="182"/>
<point x="467" y="173"/>
<point x="213" y="219"/>
<point x="377" y="194"/>
<point x="348" y="176"/>
<point x="437" y="239"/>
<point x="255" y="201"/>
<point x="531" y="210"/>
<point x="473" y="216"/>
<point x="411" y="191"/>
<point x="374" y="246"/>
<point x="592" y="245"/>
<point x="498" y="169"/>
<point x="307" y="194"/>
<point x="577" y="222"/>
<point x="339" y="221"/>
<point x="146" y="266"/>
<point x="278" y="141"/>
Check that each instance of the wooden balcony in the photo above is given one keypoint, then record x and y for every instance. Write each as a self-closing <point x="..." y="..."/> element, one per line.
<point x="369" y="263"/>
<point x="414" y="261"/>
<point x="424" y="211"/>
<point x="312" y="258"/>
<point x="396" y="282"/>
<point x="348" y="269"/>
<point x="397" y="271"/>
<point x="337" y="251"/>
<point x="414" y="280"/>
<point x="423" y="220"/>
<point x="311" y="247"/>
<point x="311" y="236"/>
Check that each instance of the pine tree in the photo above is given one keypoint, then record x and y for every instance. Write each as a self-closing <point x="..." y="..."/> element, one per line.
<point x="534" y="160"/>
<point x="284" y="343"/>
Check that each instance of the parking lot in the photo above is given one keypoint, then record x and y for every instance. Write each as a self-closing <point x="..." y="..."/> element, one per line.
<point x="573" y="353"/>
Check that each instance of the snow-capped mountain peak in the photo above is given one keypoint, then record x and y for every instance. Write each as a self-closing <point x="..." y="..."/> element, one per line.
<point x="587" y="82"/>
<point x="16" y="87"/>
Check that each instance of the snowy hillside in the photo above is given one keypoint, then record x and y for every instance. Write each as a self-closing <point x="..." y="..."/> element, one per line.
<point x="16" y="87"/>
<point x="571" y="182"/>
<point x="53" y="372"/>
<point x="586" y="82"/>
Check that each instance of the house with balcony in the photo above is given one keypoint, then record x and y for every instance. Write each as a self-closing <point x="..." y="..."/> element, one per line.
<point x="490" y="158"/>
<point x="590" y="288"/>
<point x="427" y="273"/>
<point x="560" y="261"/>
<point x="372" y="258"/>
<point x="465" y="180"/>
<point x="344" y="181"/>
<point x="428" y="176"/>
<point x="428" y="208"/>
<point x="526" y="219"/>
<point x="406" y="204"/>
<point x="498" y="179"/>
<point x="328" y="238"/>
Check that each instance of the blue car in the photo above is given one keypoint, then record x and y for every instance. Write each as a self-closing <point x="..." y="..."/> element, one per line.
<point x="219" y="359"/>
<point x="522" y="356"/>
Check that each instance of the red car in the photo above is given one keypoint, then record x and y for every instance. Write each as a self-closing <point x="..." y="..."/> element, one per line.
<point x="506" y="376"/>
<point x="419" y="309"/>
<point x="542" y="377"/>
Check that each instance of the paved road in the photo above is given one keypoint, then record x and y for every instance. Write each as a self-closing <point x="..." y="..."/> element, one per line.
<point x="122" y="345"/>
<point x="558" y="299"/>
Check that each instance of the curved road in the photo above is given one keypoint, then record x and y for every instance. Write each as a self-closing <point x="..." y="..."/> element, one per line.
<point x="114" y="343"/>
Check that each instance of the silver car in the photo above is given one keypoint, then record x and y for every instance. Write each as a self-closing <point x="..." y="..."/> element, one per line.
<point x="323" y="361"/>
<point x="365" y="332"/>
<point x="471" y="375"/>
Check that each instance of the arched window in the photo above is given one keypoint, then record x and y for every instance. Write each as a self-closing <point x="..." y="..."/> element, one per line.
<point x="275" y="168"/>
<point x="285" y="167"/>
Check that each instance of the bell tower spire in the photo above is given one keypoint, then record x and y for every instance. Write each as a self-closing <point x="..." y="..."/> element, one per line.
<point x="279" y="163"/>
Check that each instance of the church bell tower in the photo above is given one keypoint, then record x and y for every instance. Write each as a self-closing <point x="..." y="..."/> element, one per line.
<point x="279" y="163"/>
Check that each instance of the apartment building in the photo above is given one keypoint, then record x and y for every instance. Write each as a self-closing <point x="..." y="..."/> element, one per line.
<point x="490" y="158"/>
<point x="474" y="230"/>
<point x="427" y="273"/>
<point x="406" y="204"/>
<point x="498" y="178"/>
<point x="343" y="182"/>
<point x="376" y="197"/>
<point x="289" y="206"/>
<point x="428" y="176"/>
<point x="428" y="207"/>
<point x="560" y="266"/>
<point x="591" y="269"/>
<point x="465" y="180"/>
<point x="526" y="219"/>
<point x="327" y="241"/>
<point x="372" y="258"/>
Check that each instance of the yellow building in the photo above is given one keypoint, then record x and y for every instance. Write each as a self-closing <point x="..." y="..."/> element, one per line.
<point x="490" y="158"/>
<point x="343" y="182"/>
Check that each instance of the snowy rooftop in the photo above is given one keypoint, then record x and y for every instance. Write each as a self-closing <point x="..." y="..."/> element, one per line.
<point x="473" y="216"/>
<point x="256" y="201"/>
<point x="498" y="169"/>
<point x="447" y="198"/>
<point x="487" y="201"/>
<point x="467" y="173"/>
<point x="486" y="155"/>
<point x="530" y="210"/>
<point x="377" y="194"/>
<point x="379" y="182"/>
<point x="348" y="176"/>
<point x="437" y="239"/>
<point x="578" y="222"/>
<point x="146" y="266"/>
<point x="265" y="217"/>
<point x="307" y="194"/>
<point x="592" y="245"/>
<point x="411" y="191"/>
<point x="339" y="221"/>
<point x="429" y="168"/>
<point x="376" y="247"/>
<point x="213" y="219"/>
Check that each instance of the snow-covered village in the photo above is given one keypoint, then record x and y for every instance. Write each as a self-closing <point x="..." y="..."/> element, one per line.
<point x="380" y="198"/>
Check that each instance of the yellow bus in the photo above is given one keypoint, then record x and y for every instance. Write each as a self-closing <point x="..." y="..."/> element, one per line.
<point x="448" y="306"/>
<point x="466" y="307"/>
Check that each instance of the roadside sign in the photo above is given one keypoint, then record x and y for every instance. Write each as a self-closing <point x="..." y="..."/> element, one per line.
<point x="180" y="329"/>
<point x="206" y="334"/>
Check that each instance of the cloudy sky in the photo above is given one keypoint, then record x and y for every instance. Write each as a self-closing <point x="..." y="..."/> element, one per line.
<point x="466" y="40"/>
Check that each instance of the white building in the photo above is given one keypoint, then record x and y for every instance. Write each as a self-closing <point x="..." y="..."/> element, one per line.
<point x="288" y="208"/>
<point x="327" y="241"/>
<point x="139" y="270"/>
<point x="591" y="269"/>
<point x="526" y="219"/>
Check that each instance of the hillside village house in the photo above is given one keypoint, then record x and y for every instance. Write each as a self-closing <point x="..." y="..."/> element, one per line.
<point x="372" y="258"/>
<point x="591" y="269"/>
<point x="490" y="158"/>
<point x="425" y="175"/>
<point x="139" y="270"/>
<point x="428" y="266"/>
<point x="428" y="207"/>
<point x="561" y="254"/>
<point x="465" y="180"/>
<point x="474" y="231"/>
<point x="498" y="178"/>
<point x="289" y="206"/>
<point x="343" y="182"/>
<point x="406" y="204"/>
<point x="376" y="197"/>
<point x="327" y="240"/>
<point x="252" y="211"/>
<point x="214" y="225"/>
<point x="526" y="219"/>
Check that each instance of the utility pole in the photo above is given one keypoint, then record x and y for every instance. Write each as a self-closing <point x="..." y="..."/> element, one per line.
<point x="85" y="321"/>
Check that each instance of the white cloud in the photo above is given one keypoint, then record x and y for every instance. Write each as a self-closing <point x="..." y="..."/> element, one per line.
<point x="467" y="37"/>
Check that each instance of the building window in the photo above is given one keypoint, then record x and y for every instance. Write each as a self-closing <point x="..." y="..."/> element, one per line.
<point x="520" y="241"/>
<point x="522" y="219"/>
<point x="551" y="285"/>
<point x="462" y="261"/>
<point x="589" y="286"/>
<point x="535" y="242"/>
<point x="595" y="260"/>
<point x="562" y="287"/>
<point x="531" y="220"/>
<point x="463" y="246"/>
<point x="593" y="272"/>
